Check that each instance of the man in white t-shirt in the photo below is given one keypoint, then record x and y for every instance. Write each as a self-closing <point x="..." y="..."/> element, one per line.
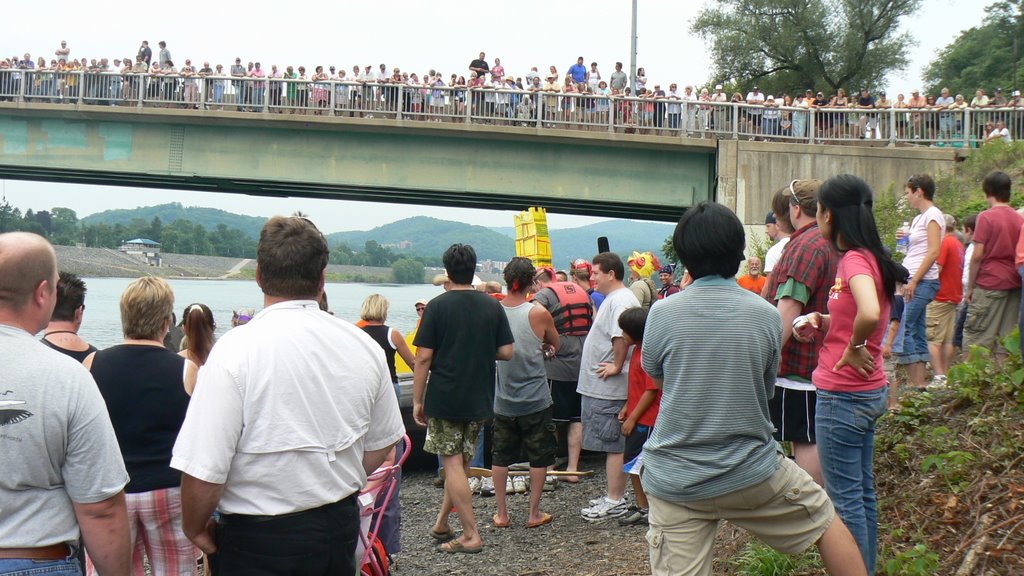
<point x="755" y="98"/>
<point x="604" y="374"/>
<point x="291" y="412"/>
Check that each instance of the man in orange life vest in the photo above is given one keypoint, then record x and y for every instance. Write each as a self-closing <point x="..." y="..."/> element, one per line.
<point x="573" y="312"/>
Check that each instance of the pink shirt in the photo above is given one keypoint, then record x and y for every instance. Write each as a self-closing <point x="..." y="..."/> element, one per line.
<point x="842" y="310"/>
<point x="918" y="247"/>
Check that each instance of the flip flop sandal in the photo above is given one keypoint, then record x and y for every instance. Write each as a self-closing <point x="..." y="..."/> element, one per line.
<point x="442" y="536"/>
<point x="456" y="547"/>
<point x="499" y="524"/>
<point x="546" y="519"/>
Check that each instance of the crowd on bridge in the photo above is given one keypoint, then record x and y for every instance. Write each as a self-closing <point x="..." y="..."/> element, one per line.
<point x="580" y="97"/>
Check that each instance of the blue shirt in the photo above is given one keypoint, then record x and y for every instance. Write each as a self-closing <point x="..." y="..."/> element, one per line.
<point x="578" y="73"/>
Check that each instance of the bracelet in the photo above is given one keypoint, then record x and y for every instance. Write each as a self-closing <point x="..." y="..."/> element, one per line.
<point x="853" y="346"/>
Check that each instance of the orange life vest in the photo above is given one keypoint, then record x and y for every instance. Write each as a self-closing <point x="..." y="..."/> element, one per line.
<point x="574" y="314"/>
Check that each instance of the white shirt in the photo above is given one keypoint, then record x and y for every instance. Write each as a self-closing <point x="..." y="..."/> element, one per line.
<point x="771" y="257"/>
<point x="918" y="246"/>
<point x="598" y="348"/>
<point x="284" y="409"/>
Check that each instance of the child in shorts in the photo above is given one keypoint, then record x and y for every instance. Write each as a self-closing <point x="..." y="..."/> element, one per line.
<point x="639" y="413"/>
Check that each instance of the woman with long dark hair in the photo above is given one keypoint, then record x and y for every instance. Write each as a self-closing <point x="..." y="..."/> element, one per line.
<point x="850" y="378"/>
<point x="198" y="325"/>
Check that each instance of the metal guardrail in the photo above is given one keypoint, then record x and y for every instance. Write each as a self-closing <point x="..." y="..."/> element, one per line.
<point x="956" y="127"/>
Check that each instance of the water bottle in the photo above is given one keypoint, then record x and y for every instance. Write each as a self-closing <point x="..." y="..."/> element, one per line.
<point x="903" y="239"/>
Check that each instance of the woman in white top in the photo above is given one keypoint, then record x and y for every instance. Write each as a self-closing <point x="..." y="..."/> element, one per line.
<point x="922" y="251"/>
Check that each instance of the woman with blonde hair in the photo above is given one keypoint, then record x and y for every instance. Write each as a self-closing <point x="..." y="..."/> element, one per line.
<point x="146" y="389"/>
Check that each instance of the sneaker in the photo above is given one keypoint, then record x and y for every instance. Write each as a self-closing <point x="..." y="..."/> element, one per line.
<point x="487" y="486"/>
<point x="938" y="382"/>
<point x="474" y="485"/>
<point x="438" y="482"/>
<point x="550" y="483"/>
<point x="519" y="483"/>
<point x="509" y="487"/>
<point x="604" y="510"/>
<point x="633" y="516"/>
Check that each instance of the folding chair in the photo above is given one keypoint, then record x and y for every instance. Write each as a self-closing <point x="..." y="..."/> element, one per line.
<point x="373" y="559"/>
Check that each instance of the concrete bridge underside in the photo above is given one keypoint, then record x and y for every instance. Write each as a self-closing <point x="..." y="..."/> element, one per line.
<point x="406" y="162"/>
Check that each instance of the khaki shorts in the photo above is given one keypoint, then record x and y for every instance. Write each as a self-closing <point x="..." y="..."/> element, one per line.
<point x="991" y="315"/>
<point x="788" y="511"/>
<point x="941" y="321"/>
<point x="451" y="437"/>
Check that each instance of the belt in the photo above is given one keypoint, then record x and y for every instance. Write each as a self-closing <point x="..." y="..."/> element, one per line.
<point x="244" y="519"/>
<point x="52" y="552"/>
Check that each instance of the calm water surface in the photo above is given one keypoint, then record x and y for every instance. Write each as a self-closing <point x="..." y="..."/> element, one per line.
<point x="102" y="323"/>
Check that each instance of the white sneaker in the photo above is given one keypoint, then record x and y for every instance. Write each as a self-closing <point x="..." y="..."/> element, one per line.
<point x="550" y="483"/>
<point x="605" y="510"/>
<point x="487" y="486"/>
<point x="474" y="485"/>
<point x="519" y="482"/>
<point x="509" y="487"/>
<point x="938" y="382"/>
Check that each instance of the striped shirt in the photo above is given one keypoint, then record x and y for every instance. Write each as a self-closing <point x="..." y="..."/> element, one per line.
<point x="716" y="348"/>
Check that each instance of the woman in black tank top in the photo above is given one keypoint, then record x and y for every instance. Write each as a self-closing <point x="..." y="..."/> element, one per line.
<point x="373" y="315"/>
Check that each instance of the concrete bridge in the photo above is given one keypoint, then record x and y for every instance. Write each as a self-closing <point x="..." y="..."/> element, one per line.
<point x="597" y="173"/>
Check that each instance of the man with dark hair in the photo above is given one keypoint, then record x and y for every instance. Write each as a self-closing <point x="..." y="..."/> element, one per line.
<point x="603" y="385"/>
<point x="993" y="286"/>
<point x="970" y="222"/>
<point x="800" y="285"/>
<point x="570" y="305"/>
<point x="63" y="476"/>
<point x="462" y="333"/>
<point x="61" y="333"/>
<point x="714" y="350"/>
<point x="522" y="400"/>
<point x="291" y="412"/>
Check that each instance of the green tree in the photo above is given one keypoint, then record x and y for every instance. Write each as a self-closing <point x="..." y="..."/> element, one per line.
<point x="64" y="228"/>
<point x="985" y="56"/>
<point x="790" y="45"/>
<point x="10" y="217"/>
<point x="407" y="271"/>
<point x="669" y="251"/>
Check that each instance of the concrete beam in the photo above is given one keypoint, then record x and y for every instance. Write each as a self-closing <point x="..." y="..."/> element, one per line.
<point x="453" y="164"/>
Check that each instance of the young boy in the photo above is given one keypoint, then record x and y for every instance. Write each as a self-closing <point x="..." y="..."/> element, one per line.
<point x="639" y="413"/>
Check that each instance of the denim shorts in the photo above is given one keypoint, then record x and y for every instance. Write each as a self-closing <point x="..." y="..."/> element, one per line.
<point x="22" y="567"/>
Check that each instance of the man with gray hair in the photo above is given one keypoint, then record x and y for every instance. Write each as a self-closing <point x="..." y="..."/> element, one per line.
<point x="63" y="476"/>
<point x="291" y="412"/>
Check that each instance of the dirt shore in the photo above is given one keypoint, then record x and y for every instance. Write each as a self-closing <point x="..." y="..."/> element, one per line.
<point x="569" y="545"/>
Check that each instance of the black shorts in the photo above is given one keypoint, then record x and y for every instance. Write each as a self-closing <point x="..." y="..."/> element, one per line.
<point x="531" y="437"/>
<point x="567" y="401"/>
<point x="635" y="442"/>
<point x="792" y="413"/>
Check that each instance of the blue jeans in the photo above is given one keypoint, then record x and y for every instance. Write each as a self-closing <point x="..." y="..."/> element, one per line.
<point x="65" y="567"/>
<point x="844" y="426"/>
<point x="915" y="336"/>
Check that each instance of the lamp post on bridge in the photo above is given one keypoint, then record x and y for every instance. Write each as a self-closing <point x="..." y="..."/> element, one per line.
<point x="632" y="53"/>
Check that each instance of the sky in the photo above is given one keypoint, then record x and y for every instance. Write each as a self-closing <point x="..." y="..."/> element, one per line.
<point x="414" y="36"/>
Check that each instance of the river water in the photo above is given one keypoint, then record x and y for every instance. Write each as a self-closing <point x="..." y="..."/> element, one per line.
<point x="101" y="326"/>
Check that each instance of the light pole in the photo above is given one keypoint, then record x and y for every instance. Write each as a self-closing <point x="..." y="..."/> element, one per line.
<point x="632" y="53"/>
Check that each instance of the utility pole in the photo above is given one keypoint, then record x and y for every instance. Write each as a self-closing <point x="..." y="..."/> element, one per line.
<point x="632" y="54"/>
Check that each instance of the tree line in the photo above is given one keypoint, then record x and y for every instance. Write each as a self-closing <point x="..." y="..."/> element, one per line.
<point x="61" y="226"/>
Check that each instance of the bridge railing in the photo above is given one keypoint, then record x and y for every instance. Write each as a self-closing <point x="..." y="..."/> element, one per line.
<point x="676" y="118"/>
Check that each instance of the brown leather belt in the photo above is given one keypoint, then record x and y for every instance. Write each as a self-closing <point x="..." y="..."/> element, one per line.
<point x="52" y="552"/>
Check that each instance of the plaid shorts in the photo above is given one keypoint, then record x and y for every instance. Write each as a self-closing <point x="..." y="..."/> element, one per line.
<point x="451" y="437"/>
<point x="154" y="518"/>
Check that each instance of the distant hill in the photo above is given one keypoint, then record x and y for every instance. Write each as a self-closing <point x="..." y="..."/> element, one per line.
<point x="425" y="236"/>
<point x="208" y="218"/>
<point x="430" y="237"/>
<point x="624" y="236"/>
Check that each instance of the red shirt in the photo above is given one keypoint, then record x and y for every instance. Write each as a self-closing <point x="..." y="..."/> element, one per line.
<point x="640" y="382"/>
<point x="951" y="259"/>
<point x="842" y="310"/>
<point x="997" y="229"/>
